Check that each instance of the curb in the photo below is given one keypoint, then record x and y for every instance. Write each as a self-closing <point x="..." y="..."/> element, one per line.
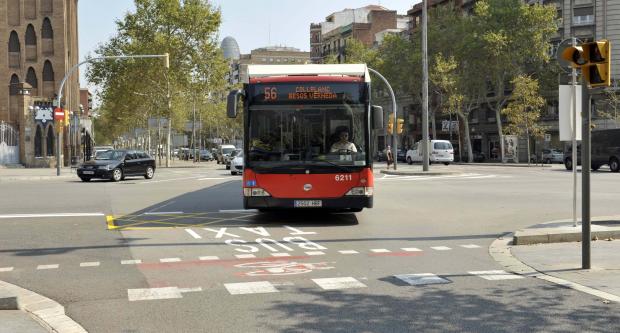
<point x="50" y="314"/>
<point x="419" y="173"/>
<point x="33" y="178"/>
<point x="501" y="253"/>
<point x="506" y="165"/>
<point x="566" y="237"/>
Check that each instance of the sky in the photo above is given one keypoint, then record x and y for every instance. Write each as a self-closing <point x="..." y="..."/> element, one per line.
<point x="253" y="23"/>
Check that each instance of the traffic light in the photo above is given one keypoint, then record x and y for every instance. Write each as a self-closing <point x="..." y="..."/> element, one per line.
<point x="399" y="125"/>
<point x="594" y="59"/>
<point x="66" y="120"/>
<point x="390" y="124"/>
<point x="597" y="70"/>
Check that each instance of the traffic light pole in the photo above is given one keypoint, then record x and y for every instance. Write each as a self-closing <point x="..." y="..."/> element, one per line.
<point x="574" y="116"/>
<point x="586" y="113"/>
<point x="394" y="111"/>
<point x="425" y="157"/>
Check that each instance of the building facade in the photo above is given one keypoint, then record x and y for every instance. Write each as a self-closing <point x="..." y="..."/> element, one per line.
<point x="38" y="44"/>
<point x="329" y="38"/>
<point x="270" y="55"/>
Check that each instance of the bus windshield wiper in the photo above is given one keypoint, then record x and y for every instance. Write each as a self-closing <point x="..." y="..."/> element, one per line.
<point x="341" y="167"/>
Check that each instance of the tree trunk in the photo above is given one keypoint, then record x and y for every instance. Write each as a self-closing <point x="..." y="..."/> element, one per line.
<point x="498" y="120"/>
<point x="470" y="154"/>
<point x="527" y="137"/>
<point x="433" y="127"/>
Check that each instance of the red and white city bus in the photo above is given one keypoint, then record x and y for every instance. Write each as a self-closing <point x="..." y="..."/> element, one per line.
<point x="307" y="136"/>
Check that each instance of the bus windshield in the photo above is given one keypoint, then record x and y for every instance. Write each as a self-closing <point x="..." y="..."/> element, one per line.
<point x="310" y="136"/>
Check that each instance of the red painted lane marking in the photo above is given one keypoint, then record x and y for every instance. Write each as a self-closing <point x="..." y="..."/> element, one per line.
<point x="195" y="263"/>
<point x="396" y="254"/>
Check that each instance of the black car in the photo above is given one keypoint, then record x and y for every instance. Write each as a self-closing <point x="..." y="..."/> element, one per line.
<point x="117" y="164"/>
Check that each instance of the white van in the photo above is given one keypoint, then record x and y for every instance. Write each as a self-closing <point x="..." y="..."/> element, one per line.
<point x="440" y="151"/>
<point x="223" y="152"/>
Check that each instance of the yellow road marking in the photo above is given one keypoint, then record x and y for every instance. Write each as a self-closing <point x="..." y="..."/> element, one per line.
<point x="110" y="220"/>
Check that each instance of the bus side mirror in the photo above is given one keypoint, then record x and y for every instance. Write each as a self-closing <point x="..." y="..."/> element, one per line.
<point x="377" y="117"/>
<point x="232" y="103"/>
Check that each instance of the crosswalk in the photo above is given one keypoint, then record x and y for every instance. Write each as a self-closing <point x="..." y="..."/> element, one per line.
<point x="461" y="176"/>
<point x="321" y="284"/>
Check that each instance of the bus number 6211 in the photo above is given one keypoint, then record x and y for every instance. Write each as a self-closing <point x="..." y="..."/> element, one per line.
<point x="343" y="178"/>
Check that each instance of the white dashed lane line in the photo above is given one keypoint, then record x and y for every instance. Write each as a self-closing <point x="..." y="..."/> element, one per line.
<point x="348" y="252"/>
<point x="496" y="275"/>
<point x="245" y="256"/>
<point x="193" y="233"/>
<point x="470" y="246"/>
<point x="169" y="260"/>
<point x="209" y="258"/>
<point x="6" y="269"/>
<point x="90" y="264"/>
<point x="280" y="254"/>
<point x="441" y="248"/>
<point x="131" y="262"/>
<point x="258" y="287"/>
<point x="54" y="266"/>
<point x="315" y="253"/>
<point x="338" y="283"/>
<point x="380" y="250"/>
<point x="411" y="249"/>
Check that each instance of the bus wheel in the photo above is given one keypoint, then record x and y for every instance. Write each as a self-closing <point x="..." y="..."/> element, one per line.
<point x="614" y="165"/>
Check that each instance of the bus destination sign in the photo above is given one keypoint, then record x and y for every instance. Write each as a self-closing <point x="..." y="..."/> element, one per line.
<point x="293" y="93"/>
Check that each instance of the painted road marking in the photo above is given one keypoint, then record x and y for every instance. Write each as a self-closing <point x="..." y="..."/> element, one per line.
<point x="281" y="254"/>
<point x="212" y="178"/>
<point x="13" y="216"/>
<point x="339" y="283"/>
<point x="153" y="294"/>
<point x="470" y="246"/>
<point x="6" y="269"/>
<point x="162" y="213"/>
<point x="496" y="275"/>
<point x="267" y="268"/>
<point x="315" y="253"/>
<point x="421" y="279"/>
<point x="411" y="249"/>
<point x="90" y="264"/>
<point x="131" y="262"/>
<point x="190" y="290"/>
<point x="348" y="252"/>
<point x="209" y="258"/>
<point x="238" y="211"/>
<point x="245" y="256"/>
<point x="169" y="259"/>
<point x="380" y="250"/>
<point x="258" y="287"/>
<point x="193" y="233"/>
<point x="441" y="248"/>
<point x="54" y="266"/>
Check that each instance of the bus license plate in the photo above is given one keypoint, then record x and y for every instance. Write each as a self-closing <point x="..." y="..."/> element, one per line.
<point x="308" y="203"/>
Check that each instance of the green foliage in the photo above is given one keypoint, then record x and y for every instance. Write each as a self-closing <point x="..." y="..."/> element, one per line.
<point x="525" y="107"/>
<point x="134" y="90"/>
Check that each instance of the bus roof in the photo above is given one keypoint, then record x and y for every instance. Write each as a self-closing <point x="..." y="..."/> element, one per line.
<point x="262" y="71"/>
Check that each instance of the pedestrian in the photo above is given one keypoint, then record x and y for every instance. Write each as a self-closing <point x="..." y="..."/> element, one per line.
<point x="389" y="157"/>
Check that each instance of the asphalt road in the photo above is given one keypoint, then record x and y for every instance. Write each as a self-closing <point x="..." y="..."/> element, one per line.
<point x="179" y="255"/>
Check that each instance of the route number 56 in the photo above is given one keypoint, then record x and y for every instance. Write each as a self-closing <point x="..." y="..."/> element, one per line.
<point x="271" y="94"/>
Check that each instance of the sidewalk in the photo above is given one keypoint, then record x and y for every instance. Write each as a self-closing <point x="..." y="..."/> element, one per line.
<point x="34" y="174"/>
<point x="552" y="252"/>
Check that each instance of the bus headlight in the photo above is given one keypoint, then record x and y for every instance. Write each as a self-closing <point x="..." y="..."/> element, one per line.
<point x="255" y="192"/>
<point x="367" y="191"/>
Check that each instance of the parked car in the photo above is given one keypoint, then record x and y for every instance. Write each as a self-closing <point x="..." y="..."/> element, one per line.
<point x="552" y="156"/>
<point x="236" y="165"/>
<point x="605" y="149"/>
<point x="118" y="164"/>
<point x="224" y="151"/>
<point x="206" y="155"/>
<point x="402" y="155"/>
<point x="229" y="158"/>
<point x="439" y="151"/>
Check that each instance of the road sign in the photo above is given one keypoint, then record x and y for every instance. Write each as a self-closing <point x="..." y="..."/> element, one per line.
<point x="59" y="114"/>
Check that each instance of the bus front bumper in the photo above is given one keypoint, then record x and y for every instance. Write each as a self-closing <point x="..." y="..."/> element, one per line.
<point x="348" y="202"/>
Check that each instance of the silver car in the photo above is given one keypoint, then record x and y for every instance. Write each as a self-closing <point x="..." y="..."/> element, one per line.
<point x="552" y="156"/>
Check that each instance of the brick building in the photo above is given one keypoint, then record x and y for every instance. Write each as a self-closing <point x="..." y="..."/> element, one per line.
<point x="38" y="44"/>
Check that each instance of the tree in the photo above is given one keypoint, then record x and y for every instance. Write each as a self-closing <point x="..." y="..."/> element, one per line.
<point x="134" y="90"/>
<point x="511" y="38"/>
<point x="523" y="111"/>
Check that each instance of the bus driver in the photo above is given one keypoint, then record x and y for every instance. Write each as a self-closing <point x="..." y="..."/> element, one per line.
<point x="343" y="144"/>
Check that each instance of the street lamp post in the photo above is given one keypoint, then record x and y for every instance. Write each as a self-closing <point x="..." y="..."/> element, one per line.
<point x="72" y="69"/>
<point x="394" y="110"/>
